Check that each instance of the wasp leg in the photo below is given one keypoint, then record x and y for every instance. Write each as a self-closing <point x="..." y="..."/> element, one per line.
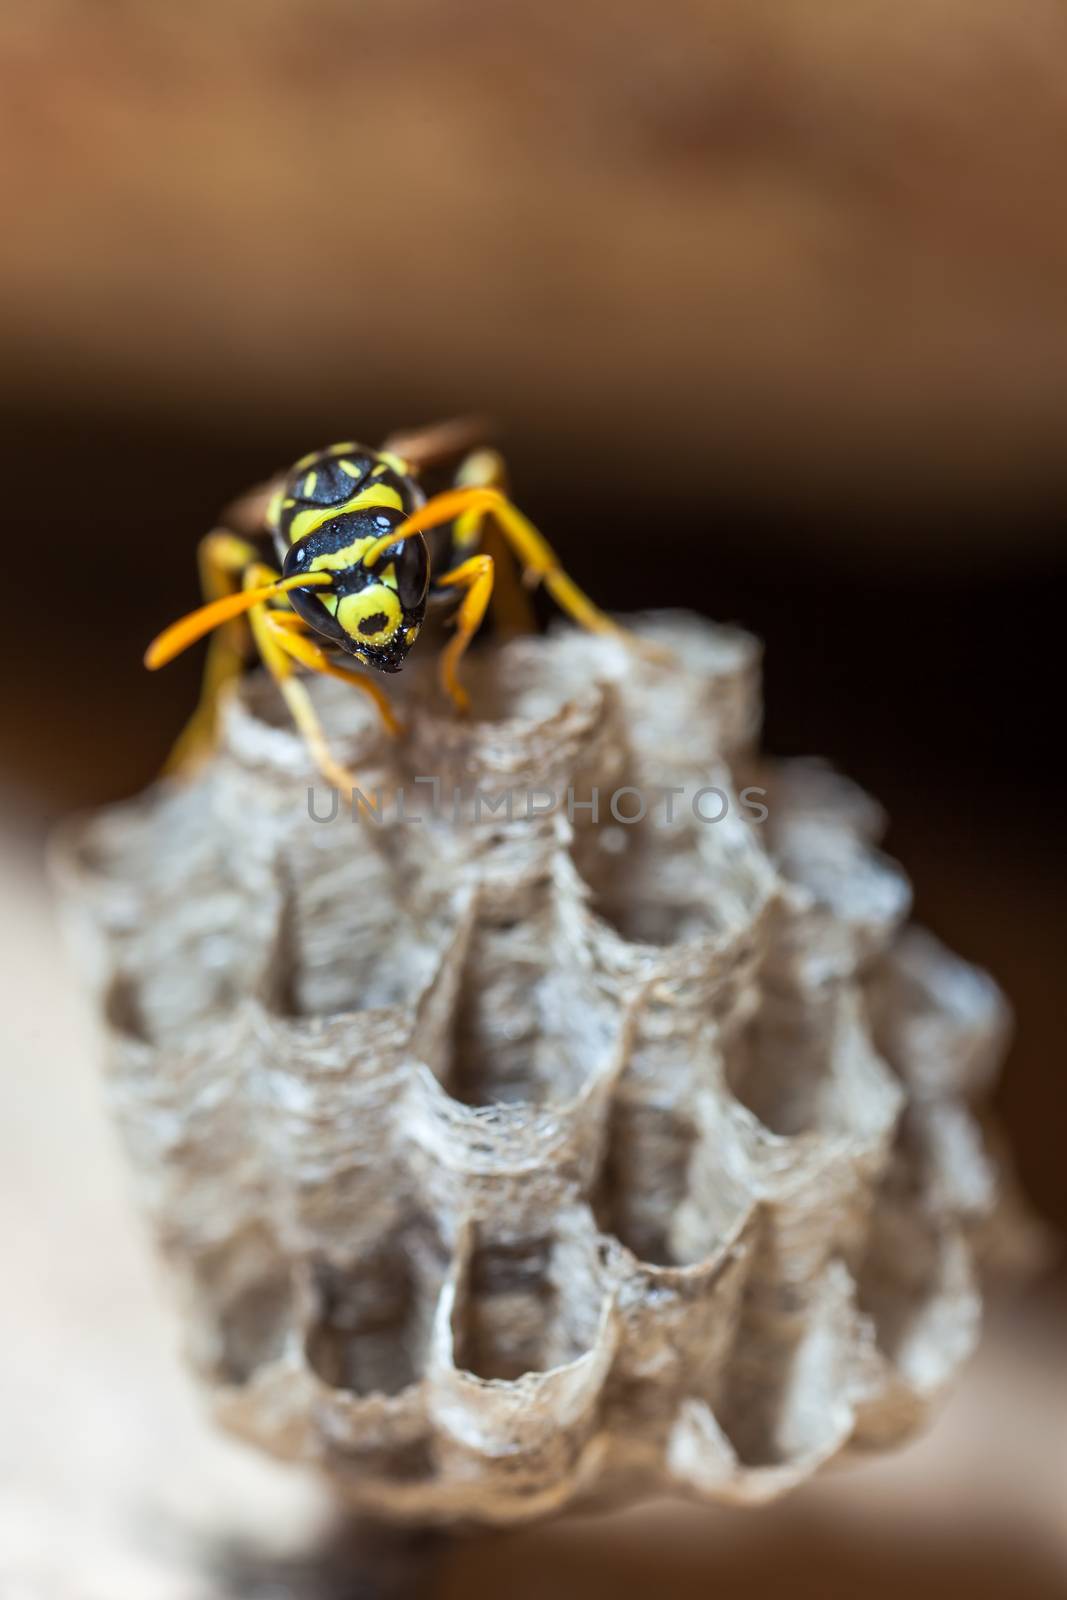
<point x="539" y="561"/>
<point x="475" y="578"/>
<point x="221" y="557"/>
<point x="540" y="564"/>
<point x="291" y="634"/>
<point x="281" y="665"/>
<point x="510" y="605"/>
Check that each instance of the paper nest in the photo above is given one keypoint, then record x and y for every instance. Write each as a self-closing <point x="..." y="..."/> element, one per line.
<point x="505" y="1164"/>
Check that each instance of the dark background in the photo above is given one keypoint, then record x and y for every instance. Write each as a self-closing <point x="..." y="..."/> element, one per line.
<point x="769" y="300"/>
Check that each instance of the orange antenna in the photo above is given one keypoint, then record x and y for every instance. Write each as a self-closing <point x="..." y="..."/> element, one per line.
<point x="441" y="508"/>
<point x="187" y="630"/>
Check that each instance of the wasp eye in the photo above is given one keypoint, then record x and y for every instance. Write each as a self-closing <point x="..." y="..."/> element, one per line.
<point x="412" y="563"/>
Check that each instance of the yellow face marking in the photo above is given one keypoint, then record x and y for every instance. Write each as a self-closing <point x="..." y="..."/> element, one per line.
<point x="375" y="494"/>
<point x="372" y="616"/>
<point x="401" y="467"/>
<point x="349" y="470"/>
<point x="309" y="485"/>
<point x="413" y="633"/>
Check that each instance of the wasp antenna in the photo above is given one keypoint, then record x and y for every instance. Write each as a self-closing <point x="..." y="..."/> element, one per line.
<point x="444" y="507"/>
<point x="187" y="630"/>
<point x="427" y="447"/>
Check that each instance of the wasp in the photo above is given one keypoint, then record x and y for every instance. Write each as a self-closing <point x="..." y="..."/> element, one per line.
<point x="339" y="560"/>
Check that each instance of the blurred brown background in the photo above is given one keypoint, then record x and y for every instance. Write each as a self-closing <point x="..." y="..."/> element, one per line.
<point x="769" y="298"/>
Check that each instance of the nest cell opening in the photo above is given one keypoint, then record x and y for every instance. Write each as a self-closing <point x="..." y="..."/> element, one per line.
<point x="914" y="1283"/>
<point x="525" y="1027"/>
<point x="781" y="1064"/>
<point x="530" y="683"/>
<point x="522" y="1309"/>
<point x="338" y="952"/>
<point x="645" y="1180"/>
<point x="372" y="1322"/>
<point x="666" y="883"/>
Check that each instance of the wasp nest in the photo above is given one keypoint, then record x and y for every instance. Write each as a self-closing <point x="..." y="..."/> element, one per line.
<point x="583" y="1121"/>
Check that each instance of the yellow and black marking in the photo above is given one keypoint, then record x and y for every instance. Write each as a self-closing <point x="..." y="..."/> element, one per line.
<point x="361" y="553"/>
<point x="332" y="507"/>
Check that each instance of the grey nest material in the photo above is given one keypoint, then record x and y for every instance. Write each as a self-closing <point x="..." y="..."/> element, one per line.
<point x="509" y="1164"/>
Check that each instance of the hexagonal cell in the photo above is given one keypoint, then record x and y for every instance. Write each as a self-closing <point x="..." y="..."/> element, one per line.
<point x="692" y="699"/>
<point x="516" y="1020"/>
<point x="371" y="1323"/>
<point x="193" y="964"/>
<point x="780" y="1064"/>
<point x="674" y="1187"/>
<point x="785" y="1397"/>
<point x="806" y="1061"/>
<point x="941" y="1023"/>
<point x="663" y="883"/>
<point x="355" y="933"/>
<point x="531" y="687"/>
<point x="845" y="906"/>
<point x="520" y="1309"/>
<point x="182" y="1115"/>
<point x="645" y="1179"/>
<point x="916" y="1282"/>
<point x="183" y="975"/>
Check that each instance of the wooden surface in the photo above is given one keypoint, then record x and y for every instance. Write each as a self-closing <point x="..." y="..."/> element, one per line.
<point x="113" y="1486"/>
